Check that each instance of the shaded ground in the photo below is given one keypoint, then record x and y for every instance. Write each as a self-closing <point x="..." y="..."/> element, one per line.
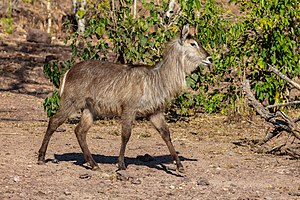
<point x="21" y="65"/>
<point x="215" y="167"/>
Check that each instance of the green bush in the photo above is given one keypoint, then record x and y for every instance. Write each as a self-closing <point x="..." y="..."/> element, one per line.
<point x="267" y="32"/>
<point x="271" y="36"/>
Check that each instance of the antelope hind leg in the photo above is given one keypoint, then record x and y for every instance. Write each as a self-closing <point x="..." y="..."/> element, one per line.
<point x="54" y="122"/>
<point x="81" y="130"/>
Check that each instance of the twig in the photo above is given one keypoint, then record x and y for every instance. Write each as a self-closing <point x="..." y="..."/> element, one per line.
<point x="277" y="72"/>
<point x="296" y="120"/>
<point x="292" y="153"/>
<point x="256" y="104"/>
<point x="296" y="134"/>
<point x="269" y="136"/>
<point x="283" y="104"/>
<point x="273" y="150"/>
<point x="286" y="118"/>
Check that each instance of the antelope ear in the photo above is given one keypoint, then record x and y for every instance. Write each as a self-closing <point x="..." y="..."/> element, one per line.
<point x="184" y="33"/>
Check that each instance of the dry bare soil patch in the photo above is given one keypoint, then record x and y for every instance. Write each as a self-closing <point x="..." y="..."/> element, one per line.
<point x="216" y="168"/>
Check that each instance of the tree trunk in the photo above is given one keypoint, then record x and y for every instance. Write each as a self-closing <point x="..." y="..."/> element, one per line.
<point x="81" y="21"/>
<point x="49" y="16"/>
<point x="74" y="6"/>
<point x="134" y="8"/>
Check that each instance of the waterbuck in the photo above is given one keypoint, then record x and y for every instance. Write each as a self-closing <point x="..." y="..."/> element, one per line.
<point x="97" y="88"/>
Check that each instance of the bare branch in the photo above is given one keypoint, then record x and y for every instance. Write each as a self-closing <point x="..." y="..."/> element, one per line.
<point x="296" y="134"/>
<point x="296" y="120"/>
<point x="269" y="136"/>
<point x="283" y="104"/>
<point x="256" y="104"/>
<point x="49" y="16"/>
<point x="171" y="8"/>
<point x="134" y="8"/>
<point x="285" y="118"/>
<point x="278" y="73"/>
<point x="173" y="12"/>
<point x="280" y="121"/>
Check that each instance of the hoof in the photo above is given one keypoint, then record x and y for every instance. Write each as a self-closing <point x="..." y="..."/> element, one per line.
<point x="181" y="170"/>
<point x="96" y="168"/>
<point x="41" y="162"/>
<point x="121" y="166"/>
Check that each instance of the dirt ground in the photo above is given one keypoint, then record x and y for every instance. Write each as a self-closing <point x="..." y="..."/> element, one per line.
<point x="216" y="168"/>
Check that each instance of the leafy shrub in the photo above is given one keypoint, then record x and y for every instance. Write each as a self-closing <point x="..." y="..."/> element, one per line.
<point x="266" y="33"/>
<point x="51" y="104"/>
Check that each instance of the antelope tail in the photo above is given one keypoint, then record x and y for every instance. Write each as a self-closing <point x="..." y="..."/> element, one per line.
<point x="62" y="83"/>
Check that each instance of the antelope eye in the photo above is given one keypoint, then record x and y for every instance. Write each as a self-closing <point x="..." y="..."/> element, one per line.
<point x="193" y="44"/>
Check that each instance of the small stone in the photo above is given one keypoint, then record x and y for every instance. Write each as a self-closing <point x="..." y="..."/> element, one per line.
<point x="136" y="181"/>
<point x="230" y="153"/>
<point x="66" y="192"/>
<point x="171" y="167"/>
<point x="17" y="179"/>
<point x="23" y="195"/>
<point x="55" y="161"/>
<point x="172" y="187"/>
<point x="41" y="193"/>
<point x="233" y="185"/>
<point x="122" y="176"/>
<point x="202" y="181"/>
<point x="85" y="176"/>
<point x="268" y="198"/>
<point x="294" y="193"/>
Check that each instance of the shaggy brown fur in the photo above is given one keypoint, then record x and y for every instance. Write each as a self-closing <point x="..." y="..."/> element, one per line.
<point x="126" y="90"/>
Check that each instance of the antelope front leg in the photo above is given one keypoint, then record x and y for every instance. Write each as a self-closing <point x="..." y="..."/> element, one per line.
<point x="158" y="121"/>
<point x="127" y="119"/>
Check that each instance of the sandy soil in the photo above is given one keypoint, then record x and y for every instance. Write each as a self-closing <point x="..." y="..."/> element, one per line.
<point x="216" y="168"/>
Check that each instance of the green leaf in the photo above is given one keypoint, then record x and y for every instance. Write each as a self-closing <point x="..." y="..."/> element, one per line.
<point x="80" y="13"/>
<point x="198" y="5"/>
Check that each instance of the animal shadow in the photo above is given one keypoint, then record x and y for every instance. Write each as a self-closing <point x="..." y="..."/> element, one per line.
<point x="157" y="162"/>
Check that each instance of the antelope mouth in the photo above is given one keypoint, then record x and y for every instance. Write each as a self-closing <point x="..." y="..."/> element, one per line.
<point x="207" y="61"/>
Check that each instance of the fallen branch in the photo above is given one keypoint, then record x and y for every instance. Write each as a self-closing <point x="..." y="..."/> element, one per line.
<point x="279" y="120"/>
<point x="256" y="104"/>
<point x="287" y="79"/>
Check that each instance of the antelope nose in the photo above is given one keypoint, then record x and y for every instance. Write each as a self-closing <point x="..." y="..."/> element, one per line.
<point x="209" y="59"/>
